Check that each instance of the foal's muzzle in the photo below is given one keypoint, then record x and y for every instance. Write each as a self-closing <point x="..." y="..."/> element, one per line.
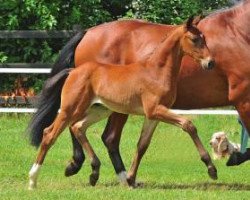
<point x="207" y="63"/>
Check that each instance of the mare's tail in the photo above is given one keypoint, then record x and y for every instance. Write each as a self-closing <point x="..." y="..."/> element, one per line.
<point x="49" y="99"/>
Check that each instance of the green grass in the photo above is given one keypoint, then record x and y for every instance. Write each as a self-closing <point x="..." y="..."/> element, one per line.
<point x="171" y="168"/>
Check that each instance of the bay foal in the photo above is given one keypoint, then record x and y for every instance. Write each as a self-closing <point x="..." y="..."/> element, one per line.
<point x="92" y="91"/>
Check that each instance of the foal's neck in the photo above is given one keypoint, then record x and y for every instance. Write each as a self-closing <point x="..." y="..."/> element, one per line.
<point x="167" y="56"/>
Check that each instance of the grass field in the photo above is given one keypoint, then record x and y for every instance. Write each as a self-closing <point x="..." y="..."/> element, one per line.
<point x="171" y="168"/>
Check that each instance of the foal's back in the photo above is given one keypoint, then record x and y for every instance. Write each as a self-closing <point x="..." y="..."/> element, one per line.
<point x="118" y="87"/>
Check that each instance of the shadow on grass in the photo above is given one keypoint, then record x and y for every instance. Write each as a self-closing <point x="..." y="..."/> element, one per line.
<point x="198" y="186"/>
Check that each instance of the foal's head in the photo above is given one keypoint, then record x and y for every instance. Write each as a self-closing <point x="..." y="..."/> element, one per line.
<point x="193" y="44"/>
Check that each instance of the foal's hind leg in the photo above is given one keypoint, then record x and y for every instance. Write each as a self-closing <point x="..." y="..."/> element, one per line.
<point x="111" y="138"/>
<point x="79" y="130"/>
<point x="95" y="162"/>
<point x="78" y="157"/>
<point x="50" y="135"/>
<point x="142" y="146"/>
<point x="163" y="114"/>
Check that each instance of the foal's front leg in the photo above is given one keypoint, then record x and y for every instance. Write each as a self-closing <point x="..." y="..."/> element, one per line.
<point x="142" y="146"/>
<point x="164" y="114"/>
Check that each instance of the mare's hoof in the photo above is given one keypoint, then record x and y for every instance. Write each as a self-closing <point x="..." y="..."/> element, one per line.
<point x="72" y="169"/>
<point x="234" y="159"/>
<point x="93" y="178"/>
<point x="212" y="172"/>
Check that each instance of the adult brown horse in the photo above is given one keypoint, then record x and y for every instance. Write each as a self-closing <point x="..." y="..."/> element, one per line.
<point x="150" y="90"/>
<point x="123" y="42"/>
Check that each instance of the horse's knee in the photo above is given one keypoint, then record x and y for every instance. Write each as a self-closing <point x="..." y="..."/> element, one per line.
<point x="189" y="127"/>
<point x="77" y="129"/>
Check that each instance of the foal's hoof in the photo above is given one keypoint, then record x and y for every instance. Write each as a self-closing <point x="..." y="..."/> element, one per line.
<point x="93" y="178"/>
<point x="32" y="185"/>
<point x="212" y="172"/>
<point x="72" y="169"/>
<point x="131" y="183"/>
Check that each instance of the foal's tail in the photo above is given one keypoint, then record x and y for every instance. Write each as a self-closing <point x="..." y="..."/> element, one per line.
<point x="49" y="99"/>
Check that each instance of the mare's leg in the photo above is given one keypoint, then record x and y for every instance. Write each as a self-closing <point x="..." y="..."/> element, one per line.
<point x="50" y="135"/>
<point x="142" y="146"/>
<point x="243" y="108"/>
<point x="93" y="115"/>
<point x="111" y="138"/>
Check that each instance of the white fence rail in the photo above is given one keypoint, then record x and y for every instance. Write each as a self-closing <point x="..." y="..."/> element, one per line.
<point x="183" y="112"/>
<point x="25" y="70"/>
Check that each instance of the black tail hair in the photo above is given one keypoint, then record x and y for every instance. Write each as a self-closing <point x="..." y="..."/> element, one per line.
<point x="49" y="99"/>
<point x="67" y="55"/>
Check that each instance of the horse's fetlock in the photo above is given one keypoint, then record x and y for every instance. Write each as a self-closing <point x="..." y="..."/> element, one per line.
<point x="206" y="158"/>
<point x="142" y="147"/>
<point x="93" y="178"/>
<point x="95" y="163"/>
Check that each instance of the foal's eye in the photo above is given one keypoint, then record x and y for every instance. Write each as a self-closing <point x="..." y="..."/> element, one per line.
<point x="195" y="40"/>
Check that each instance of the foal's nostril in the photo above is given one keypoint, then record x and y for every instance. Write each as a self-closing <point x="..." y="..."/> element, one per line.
<point x="211" y="64"/>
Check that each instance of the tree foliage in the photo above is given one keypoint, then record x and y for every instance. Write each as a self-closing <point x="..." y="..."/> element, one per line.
<point x="60" y="15"/>
<point x="174" y="11"/>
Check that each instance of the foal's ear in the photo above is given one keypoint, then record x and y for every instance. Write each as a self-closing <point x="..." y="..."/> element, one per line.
<point x="189" y="23"/>
<point x="197" y="19"/>
<point x="193" y="21"/>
